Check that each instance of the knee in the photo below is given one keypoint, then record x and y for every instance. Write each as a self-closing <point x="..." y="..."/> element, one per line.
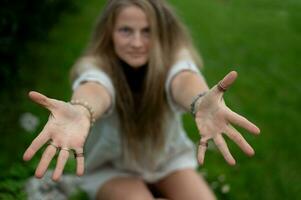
<point x="121" y="195"/>
<point x="125" y="189"/>
<point x="103" y="196"/>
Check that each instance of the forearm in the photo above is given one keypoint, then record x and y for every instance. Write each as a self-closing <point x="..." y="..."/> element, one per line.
<point x="185" y="86"/>
<point x="97" y="97"/>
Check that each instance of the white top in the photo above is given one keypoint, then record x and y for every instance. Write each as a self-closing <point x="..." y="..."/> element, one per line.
<point x="103" y="145"/>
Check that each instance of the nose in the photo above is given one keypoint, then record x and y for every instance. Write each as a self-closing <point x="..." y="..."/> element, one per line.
<point x="137" y="40"/>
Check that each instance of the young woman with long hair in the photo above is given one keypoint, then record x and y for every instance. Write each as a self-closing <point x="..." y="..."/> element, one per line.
<point x="134" y="80"/>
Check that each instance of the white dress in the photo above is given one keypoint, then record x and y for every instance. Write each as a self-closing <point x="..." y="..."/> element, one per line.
<point x="103" y="147"/>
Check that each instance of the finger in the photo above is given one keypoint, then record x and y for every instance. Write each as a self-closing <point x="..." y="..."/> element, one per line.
<point x="47" y="156"/>
<point x="227" y="81"/>
<point x="80" y="166"/>
<point x="202" y="150"/>
<point x="80" y="160"/>
<point x="61" y="162"/>
<point x="36" y="144"/>
<point x="222" y="146"/>
<point x="233" y="134"/>
<point x="242" y="122"/>
<point x="42" y="100"/>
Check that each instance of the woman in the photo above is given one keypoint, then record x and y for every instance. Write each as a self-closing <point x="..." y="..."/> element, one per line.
<point x="133" y="82"/>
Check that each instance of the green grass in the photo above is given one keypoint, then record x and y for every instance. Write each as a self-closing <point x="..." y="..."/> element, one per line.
<point x="261" y="39"/>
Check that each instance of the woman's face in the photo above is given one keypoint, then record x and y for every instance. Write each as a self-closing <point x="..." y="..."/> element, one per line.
<point x="131" y="36"/>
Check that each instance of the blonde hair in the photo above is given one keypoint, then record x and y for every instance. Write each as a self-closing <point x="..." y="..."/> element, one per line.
<point x="141" y="124"/>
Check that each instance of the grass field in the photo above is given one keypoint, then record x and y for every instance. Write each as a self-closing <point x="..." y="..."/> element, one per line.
<point x="260" y="39"/>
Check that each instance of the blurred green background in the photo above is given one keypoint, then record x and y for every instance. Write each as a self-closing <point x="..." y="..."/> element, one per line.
<point x="260" y="39"/>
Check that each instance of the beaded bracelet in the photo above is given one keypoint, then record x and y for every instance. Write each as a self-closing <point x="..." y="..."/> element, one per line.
<point x="87" y="106"/>
<point x="195" y="99"/>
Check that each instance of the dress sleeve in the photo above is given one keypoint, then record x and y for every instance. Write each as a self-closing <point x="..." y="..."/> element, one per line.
<point x="181" y="65"/>
<point x="99" y="76"/>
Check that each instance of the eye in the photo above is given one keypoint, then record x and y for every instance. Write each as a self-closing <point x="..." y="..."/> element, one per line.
<point x="146" y="31"/>
<point x="124" y="30"/>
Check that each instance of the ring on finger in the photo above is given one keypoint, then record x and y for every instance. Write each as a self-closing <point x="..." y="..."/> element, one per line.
<point x="54" y="145"/>
<point x="221" y="87"/>
<point x="204" y="144"/>
<point x="65" y="149"/>
<point x="78" y="154"/>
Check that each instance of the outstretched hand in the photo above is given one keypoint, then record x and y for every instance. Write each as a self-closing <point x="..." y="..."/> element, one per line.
<point x="65" y="131"/>
<point x="213" y="118"/>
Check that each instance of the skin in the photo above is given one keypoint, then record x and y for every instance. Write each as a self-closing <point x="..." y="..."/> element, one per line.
<point x="131" y="36"/>
<point x="213" y="118"/>
<point x="68" y="125"/>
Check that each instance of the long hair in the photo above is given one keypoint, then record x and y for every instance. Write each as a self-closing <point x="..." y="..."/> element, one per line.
<point x="142" y="123"/>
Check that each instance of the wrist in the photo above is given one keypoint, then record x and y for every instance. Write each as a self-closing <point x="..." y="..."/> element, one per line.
<point x="85" y="109"/>
<point x="82" y="111"/>
<point x="196" y="102"/>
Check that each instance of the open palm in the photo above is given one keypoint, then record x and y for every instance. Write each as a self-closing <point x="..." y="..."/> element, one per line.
<point x="213" y="118"/>
<point x="67" y="128"/>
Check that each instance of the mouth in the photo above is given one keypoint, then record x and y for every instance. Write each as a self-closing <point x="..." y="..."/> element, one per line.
<point x="137" y="55"/>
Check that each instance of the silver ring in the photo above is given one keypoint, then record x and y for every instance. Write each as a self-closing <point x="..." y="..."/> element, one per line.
<point x="65" y="149"/>
<point x="54" y="145"/>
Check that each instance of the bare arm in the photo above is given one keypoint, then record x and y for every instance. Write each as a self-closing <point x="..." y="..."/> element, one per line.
<point x="95" y="95"/>
<point x="185" y="86"/>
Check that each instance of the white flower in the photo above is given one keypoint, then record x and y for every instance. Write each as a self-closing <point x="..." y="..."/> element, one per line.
<point x="225" y="188"/>
<point x="29" y="122"/>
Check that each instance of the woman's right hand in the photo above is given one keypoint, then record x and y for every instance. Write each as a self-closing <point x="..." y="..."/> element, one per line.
<point x="67" y="128"/>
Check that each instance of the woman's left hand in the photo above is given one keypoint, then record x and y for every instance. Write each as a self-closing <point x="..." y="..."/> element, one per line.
<point x="213" y="118"/>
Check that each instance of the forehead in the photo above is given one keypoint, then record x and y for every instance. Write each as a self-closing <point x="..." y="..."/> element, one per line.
<point x="132" y="16"/>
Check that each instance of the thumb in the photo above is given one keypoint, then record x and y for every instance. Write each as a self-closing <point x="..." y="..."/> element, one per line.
<point x="227" y="81"/>
<point x="41" y="99"/>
